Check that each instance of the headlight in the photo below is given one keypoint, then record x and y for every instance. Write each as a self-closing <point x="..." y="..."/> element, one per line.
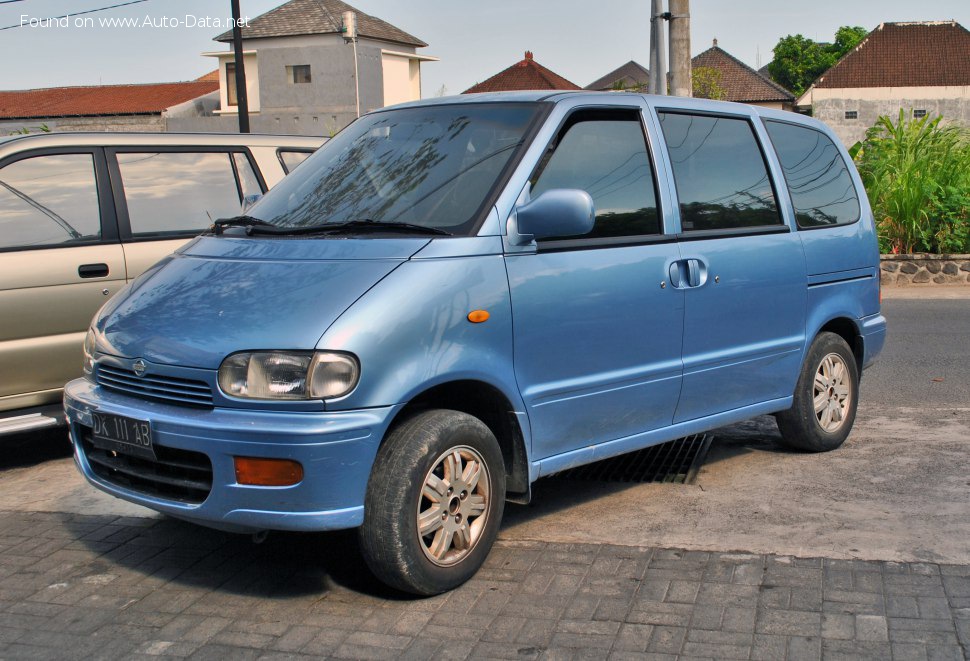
<point x="288" y="375"/>
<point x="89" y="344"/>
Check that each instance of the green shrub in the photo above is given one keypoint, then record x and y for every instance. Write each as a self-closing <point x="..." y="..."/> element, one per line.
<point x="917" y="175"/>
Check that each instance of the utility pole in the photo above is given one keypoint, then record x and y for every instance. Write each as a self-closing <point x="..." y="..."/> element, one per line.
<point x="658" y="51"/>
<point x="242" y="99"/>
<point x="680" y="79"/>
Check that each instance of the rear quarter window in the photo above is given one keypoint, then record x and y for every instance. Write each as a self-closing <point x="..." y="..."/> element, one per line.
<point x="822" y="191"/>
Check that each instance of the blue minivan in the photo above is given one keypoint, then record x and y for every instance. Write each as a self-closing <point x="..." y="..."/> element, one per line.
<point x="455" y="297"/>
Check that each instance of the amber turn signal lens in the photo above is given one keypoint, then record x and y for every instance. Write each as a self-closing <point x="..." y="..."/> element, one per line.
<point x="478" y="316"/>
<point x="267" y="472"/>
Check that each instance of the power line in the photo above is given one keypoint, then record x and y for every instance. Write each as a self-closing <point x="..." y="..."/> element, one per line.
<point x="9" y="2"/>
<point x="80" y="13"/>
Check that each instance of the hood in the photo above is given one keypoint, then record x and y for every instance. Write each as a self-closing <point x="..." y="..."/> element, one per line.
<point x="220" y="295"/>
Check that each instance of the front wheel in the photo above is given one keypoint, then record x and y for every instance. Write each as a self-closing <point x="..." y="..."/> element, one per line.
<point x="826" y="397"/>
<point x="434" y="502"/>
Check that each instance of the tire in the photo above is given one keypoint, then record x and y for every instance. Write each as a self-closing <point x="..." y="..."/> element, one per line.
<point x="826" y="397"/>
<point x="421" y="477"/>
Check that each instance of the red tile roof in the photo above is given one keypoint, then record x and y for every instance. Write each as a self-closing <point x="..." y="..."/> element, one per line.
<point x="524" y="75"/>
<point x="212" y="76"/>
<point x="905" y="55"/>
<point x="100" y="100"/>
<point x="740" y="82"/>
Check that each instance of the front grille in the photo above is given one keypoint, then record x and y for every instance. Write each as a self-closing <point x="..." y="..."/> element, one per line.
<point x="154" y="386"/>
<point x="179" y="475"/>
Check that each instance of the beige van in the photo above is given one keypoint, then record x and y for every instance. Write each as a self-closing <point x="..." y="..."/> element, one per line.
<point x="81" y="214"/>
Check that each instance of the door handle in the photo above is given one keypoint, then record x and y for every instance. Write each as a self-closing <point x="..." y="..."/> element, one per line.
<point x="688" y="273"/>
<point x="92" y="270"/>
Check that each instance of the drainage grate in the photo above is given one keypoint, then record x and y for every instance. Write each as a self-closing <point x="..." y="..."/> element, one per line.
<point x="674" y="462"/>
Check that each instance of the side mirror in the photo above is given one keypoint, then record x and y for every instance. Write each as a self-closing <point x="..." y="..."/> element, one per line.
<point x="557" y="212"/>
<point x="250" y="200"/>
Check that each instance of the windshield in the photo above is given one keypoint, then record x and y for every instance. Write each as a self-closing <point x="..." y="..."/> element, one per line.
<point x="430" y="166"/>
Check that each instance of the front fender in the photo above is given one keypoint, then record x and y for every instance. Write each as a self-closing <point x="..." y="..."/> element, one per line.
<point x="411" y="331"/>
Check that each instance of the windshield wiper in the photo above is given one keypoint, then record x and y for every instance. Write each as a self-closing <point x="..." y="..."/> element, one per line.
<point x="238" y="221"/>
<point x="351" y="226"/>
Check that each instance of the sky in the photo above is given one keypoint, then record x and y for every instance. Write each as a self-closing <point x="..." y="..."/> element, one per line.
<point x="579" y="40"/>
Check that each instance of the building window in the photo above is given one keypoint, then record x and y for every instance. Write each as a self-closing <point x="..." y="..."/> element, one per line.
<point x="298" y="73"/>
<point x="852" y="114"/>
<point x="920" y="112"/>
<point x="231" y="99"/>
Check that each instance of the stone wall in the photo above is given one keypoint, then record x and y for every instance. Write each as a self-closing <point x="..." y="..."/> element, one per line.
<point x="925" y="269"/>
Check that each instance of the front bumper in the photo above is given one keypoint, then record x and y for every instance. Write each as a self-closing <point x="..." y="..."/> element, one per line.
<point x="336" y="450"/>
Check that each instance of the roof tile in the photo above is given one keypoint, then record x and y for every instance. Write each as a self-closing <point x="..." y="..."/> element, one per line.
<point x="740" y="82"/>
<point x="100" y="99"/>
<point x="527" y="74"/>
<point x="905" y="55"/>
<point x="319" y="17"/>
<point x="631" y="76"/>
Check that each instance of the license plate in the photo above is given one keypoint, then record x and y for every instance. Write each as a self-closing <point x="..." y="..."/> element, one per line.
<point x="123" y="435"/>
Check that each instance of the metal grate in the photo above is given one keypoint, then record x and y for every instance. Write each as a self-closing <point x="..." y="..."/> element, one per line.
<point x="179" y="475"/>
<point x="674" y="462"/>
<point x="154" y="386"/>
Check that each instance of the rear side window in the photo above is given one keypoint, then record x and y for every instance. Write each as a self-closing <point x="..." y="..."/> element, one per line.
<point x="821" y="187"/>
<point x="721" y="177"/>
<point x="177" y="192"/>
<point x="49" y="200"/>
<point x="291" y="159"/>
<point x="605" y="154"/>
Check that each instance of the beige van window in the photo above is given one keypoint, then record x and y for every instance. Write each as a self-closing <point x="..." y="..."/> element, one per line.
<point x="177" y="192"/>
<point x="49" y="200"/>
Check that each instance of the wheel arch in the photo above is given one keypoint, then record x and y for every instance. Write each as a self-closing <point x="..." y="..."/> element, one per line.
<point x="848" y="329"/>
<point x="490" y="405"/>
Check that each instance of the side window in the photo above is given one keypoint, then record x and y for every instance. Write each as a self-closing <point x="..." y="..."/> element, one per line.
<point x="821" y="187"/>
<point x="721" y="177"/>
<point x="177" y="192"/>
<point x="49" y="200"/>
<point x="605" y="154"/>
<point x="248" y="183"/>
<point x="291" y="159"/>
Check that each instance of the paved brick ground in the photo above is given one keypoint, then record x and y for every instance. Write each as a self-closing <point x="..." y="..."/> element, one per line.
<point x="105" y="587"/>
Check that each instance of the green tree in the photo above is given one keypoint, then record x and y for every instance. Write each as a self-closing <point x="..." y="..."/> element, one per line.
<point x="707" y="83"/>
<point x="799" y="60"/>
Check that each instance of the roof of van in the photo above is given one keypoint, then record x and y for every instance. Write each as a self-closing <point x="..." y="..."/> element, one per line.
<point x="118" y="139"/>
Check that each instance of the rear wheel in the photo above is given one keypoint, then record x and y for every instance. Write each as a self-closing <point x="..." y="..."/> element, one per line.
<point x="826" y="397"/>
<point x="434" y="502"/>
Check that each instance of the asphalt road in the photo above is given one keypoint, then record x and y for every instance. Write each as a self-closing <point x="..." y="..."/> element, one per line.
<point x="926" y="361"/>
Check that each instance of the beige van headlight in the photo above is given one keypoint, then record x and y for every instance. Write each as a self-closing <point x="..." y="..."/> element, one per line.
<point x="89" y="345"/>
<point x="288" y="375"/>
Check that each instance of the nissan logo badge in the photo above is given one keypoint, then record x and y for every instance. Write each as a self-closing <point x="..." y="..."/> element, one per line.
<point x="139" y="367"/>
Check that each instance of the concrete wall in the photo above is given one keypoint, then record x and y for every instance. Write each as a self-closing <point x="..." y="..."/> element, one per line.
<point x="830" y="106"/>
<point x="319" y="108"/>
<point x="138" y="123"/>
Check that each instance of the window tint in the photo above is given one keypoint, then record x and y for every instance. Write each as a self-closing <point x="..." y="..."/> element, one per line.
<point x="605" y="154"/>
<point x="822" y="191"/>
<point x="49" y="200"/>
<point x="291" y="159"/>
<point x="172" y="193"/>
<point x="721" y="177"/>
